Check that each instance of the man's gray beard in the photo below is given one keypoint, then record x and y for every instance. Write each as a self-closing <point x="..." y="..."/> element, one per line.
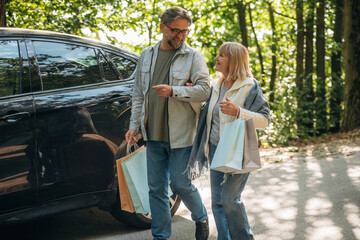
<point x="172" y="45"/>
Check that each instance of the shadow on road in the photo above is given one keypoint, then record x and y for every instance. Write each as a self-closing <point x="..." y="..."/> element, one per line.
<point x="308" y="196"/>
<point x="89" y="224"/>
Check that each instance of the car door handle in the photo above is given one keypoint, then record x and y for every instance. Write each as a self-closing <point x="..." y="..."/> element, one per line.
<point x="15" y="116"/>
<point x="118" y="100"/>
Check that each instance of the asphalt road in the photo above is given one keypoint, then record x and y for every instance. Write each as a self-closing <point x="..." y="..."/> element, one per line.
<point x="306" y="196"/>
<point x="97" y="224"/>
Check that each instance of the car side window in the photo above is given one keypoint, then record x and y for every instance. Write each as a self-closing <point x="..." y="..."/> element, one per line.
<point x="10" y="78"/>
<point x="125" y="66"/>
<point x="66" y="65"/>
<point x="109" y="72"/>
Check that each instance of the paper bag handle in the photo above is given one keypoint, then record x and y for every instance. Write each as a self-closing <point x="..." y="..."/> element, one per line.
<point x="128" y="147"/>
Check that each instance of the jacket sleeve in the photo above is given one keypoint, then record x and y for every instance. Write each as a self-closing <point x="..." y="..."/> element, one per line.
<point x="199" y="76"/>
<point x="137" y="99"/>
<point x="256" y="107"/>
<point x="260" y="121"/>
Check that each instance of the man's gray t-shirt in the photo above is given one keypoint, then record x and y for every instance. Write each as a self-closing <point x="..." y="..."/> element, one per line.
<point x="215" y="122"/>
<point x="157" y="127"/>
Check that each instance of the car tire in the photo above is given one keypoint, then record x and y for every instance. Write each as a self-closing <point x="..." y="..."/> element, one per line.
<point x="139" y="220"/>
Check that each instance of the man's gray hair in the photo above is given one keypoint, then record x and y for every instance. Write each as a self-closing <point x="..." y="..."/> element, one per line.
<point x="174" y="13"/>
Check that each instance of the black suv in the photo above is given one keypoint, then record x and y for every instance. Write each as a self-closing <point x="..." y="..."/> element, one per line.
<point x="64" y="109"/>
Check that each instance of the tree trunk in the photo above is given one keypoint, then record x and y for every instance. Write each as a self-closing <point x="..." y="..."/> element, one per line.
<point x="2" y="13"/>
<point x="351" y="118"/>
<point x="273" y="54"/>
<point x="336" y="91"/>
<point x="241" y="9"/>
<point x="300" y="63"/>
<point x="320" y="104"/>
<point x="150" y="27"/>
<point x="150" y="34"/>
<point x="257" y="47"/>
<point x="308" y="85"/>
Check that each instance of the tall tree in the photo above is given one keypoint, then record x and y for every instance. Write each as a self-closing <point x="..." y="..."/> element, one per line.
<point x="351" y="118"/>
<point x="150" y="25"/>
<point x="309" y="68"/>
<point x="241" y="8"/>
<point x="320" y="103"/>
<point x="257" y="45"/>
<point x="2" y="13"/>
<point x="273" y="53"/>
<point x="300" y="36"/>
<point x="336" y="91"/>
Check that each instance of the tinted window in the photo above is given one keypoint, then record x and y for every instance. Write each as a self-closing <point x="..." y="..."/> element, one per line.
<point x="66" y="65"/>
<point x="10" y="81"/>
<point x="109" y="72"/>
<point x="125" y="66"/>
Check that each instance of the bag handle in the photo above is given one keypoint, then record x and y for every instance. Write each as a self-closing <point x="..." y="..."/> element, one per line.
<point x="128" y="148"/>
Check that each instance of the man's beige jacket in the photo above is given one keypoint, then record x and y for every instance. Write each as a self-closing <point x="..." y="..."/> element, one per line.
<point x="188" y="65"/>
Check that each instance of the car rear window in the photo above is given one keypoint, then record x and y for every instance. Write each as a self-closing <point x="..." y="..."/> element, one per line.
<point x="10" y="79"/>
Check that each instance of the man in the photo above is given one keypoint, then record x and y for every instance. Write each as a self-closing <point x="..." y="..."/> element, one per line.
<point x="162" y="108"/>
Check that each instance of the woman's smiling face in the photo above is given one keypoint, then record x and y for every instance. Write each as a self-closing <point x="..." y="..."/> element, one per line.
<point x="222" y="63"/>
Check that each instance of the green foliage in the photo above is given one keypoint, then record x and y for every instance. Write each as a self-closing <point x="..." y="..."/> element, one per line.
<point x="283" y="128"/>
<point x="215" y="22"/>
<point x="56" y="15"/>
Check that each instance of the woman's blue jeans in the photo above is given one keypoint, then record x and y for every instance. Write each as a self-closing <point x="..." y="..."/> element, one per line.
<point x="228" y="209"/>
<point x="164" y="163"/>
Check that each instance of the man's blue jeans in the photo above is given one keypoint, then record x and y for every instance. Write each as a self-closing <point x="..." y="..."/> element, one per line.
<point x="228" y="209"/>
<point x="162" y="163"/>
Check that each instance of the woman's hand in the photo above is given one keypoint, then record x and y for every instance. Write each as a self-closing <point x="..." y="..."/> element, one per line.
<point x="229" y="107"/>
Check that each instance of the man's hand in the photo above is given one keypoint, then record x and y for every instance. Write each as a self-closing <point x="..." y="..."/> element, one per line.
<point x="163" y="90"/>
<point x="130" y="136"/>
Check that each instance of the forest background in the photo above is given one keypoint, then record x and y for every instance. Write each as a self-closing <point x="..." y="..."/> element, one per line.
<point x="305" y="53"/>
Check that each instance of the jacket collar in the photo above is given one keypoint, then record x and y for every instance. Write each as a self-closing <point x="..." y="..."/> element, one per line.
<point x="183" y="49"/>
<point x="237" y="84"/>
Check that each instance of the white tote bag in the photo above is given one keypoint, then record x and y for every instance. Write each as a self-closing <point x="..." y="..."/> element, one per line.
<point x="229" y="153"/>
<point x="237" y="151"/>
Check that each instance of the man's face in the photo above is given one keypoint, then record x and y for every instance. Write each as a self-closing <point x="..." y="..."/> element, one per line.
<point x="175" y="32"/>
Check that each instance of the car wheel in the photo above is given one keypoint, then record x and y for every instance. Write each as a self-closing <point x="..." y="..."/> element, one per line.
<point x="139" y="220"/>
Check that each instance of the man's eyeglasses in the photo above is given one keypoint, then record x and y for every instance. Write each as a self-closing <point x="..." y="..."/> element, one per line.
<point x="176" y="31"/>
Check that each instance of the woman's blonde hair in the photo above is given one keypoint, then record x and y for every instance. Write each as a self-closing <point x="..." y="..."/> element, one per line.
<point x="238" y="60"/>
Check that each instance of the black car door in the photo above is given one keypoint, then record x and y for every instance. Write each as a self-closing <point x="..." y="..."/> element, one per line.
<point x="18" y="172"/>
<point x="78" y="118"/>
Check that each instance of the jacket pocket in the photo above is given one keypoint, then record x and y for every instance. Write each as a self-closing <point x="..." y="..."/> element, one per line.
<point x="179" y="78"/>
<point x="145" y="78"/>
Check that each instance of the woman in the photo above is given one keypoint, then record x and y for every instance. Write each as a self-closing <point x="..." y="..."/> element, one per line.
<point x="226" y="104"/>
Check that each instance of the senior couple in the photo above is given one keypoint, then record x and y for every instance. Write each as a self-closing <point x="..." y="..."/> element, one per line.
<point x="170" y="78"/>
